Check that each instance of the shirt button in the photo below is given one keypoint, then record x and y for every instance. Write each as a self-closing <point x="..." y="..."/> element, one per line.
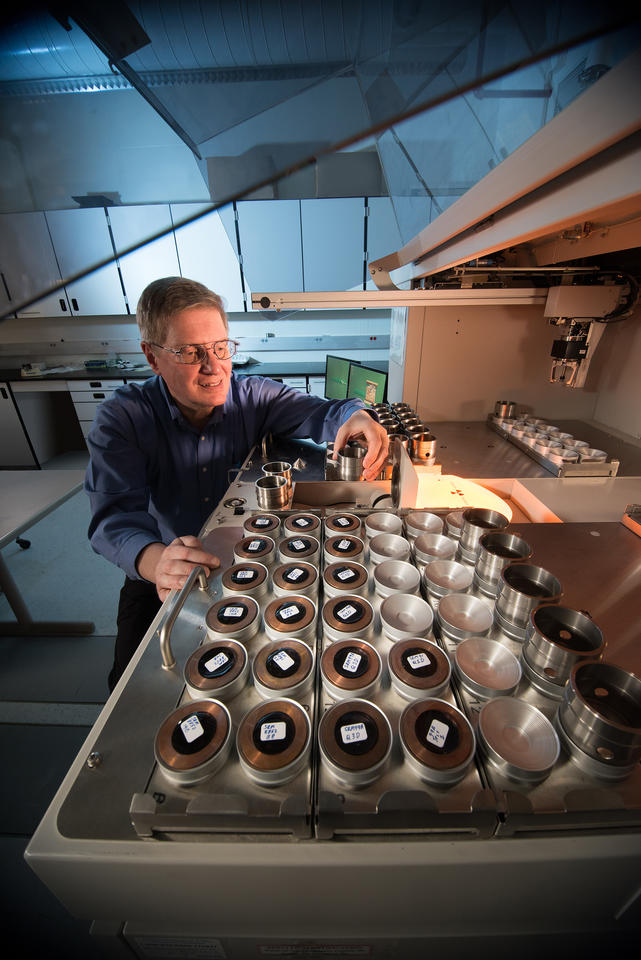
<point x="204" y="469"/>
<point x="203" y="437"/>
<point x="206" y="499"/>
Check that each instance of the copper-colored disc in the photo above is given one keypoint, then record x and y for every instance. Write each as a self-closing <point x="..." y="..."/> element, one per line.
<point x="287" y="576"/>
<point x="276" y="672"/>
<point x="302" y="523"/>
<point x="217" y="620"/>
<point x="342" y="523"/>
<point x="170" y="741"/>
<point x="239" y="584"/>
<point x="338" y="575"/>
<point x="337" y="658"/>
<point x="196" y="674"/>
<point x="255" y="752"/>
<point x="416" y="722"/>
<point x="290" y="625"/>
<point x="348" y="713"/>
<point x="299" y="547"/>
<point x="257" y="547"/>
<point x="426" y="677"/>
<point x="348" y="622"/>
<point x="261" y="523"/>
<point x="345" y="547"/>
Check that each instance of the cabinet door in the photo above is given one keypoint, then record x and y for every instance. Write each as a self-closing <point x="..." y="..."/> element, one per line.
<point x="81" y="239"/>
<point x="270" y="242"/>
<point x="14" y="449"/>
<point x="28" y="265"/>
<point x="152" y="261"/>
<point x="333" y="243"/>
<point x="206" y="254"/>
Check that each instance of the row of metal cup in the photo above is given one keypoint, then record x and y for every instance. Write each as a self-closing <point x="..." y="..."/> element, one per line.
<point x="401" y="421"/>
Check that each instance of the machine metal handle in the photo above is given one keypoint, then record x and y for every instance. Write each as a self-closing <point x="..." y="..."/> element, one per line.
<point x="168" y="659"/>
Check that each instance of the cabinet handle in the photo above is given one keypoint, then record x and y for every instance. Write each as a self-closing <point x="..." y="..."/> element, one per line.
<point x="95" y="383"/>
<point x="6" y="288"/>
<point x="74" y="303"/>
<point x="63" y="305"/>
<point x="99" y="396"/>
<point x="5" y="395"/>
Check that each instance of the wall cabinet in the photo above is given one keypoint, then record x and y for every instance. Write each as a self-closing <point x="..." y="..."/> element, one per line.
<point x="28" y="266"/>
<point x="270" y="239"/>
<point x="333" y="249"/>
<point x="206" y="254"/>
<point x="132" y="225"/>
<point x="81" y="238"/>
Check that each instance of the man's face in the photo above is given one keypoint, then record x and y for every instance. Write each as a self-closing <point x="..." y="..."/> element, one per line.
<point x="197" y="388"/>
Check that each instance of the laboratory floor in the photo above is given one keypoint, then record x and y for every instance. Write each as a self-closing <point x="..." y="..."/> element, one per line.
<point x="51" y="691"/>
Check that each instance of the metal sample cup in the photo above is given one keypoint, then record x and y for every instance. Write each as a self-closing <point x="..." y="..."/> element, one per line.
<point x="193" y="742"/>
<point x="350" y="668"/>
<point x="383" y="522"/>
<point x="272" y="492"/>
<point x="343" y="547"/>
<point x="421" y="521"/>
<point x="299" y="547"/>
<point x="556" y="639"/>
<point x="592" y="455"/>
<point x="291" y="616"/>
<point x="350" y="462"/>
<point x="429" y="547"/>
<point x="486" y="668"/>
<point x="355" y="741"/>
<point x="348" y="615"/>
<point x="504" y="408"/>
<point x="262" y="523"/>
<point x="345" y="577"/>
<point x="342" y="523"/>
<point x="218" y="669"/>
<point x="302" y="523"/>
<point x="295" y="577"/>
<point x="396" y="576"/>
<point x="460" y="616"/>
<point x="279" y="468"/>
<point x="274" y="742"/>
<point x="388" y="546"/>
<point x="599" y="719"/>
<point x="404" y="616"/>
<point x="444" y="577"/>
<point x="577" y="445"/>
<point x="283" y="669"/>
<point x="422" y="446"/>
<point x="233" y="618"/>
<point x="517" y="739"/>
<point x="249" y="578"/>
<point x="476" y="522"/>
<point x="497" y="551"/>
<point x="523" y="586"/>
<point x="454" y="524"/>
<point x="259" y="547"/>
<point x="564" y="455"/>
<point x="418" y="669"/>
<point x="545" y="445"/>
<point x="437" y="740"/>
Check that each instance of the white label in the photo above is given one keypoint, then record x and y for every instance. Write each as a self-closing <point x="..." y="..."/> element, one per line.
<point x="255" y="545"/>
<point x="298" y="545"/>
<point x="295" y="574"/>
<point x="343" y="544"/>
<point x="352" y="661"/>
<point x="191" y="728"/>
<point x="245" y="575"/>
<point x="232" y="612"/>
<point x="288" y="612"/>
<point x="219" y="660"/>
<point x="302" y="522"/>
<point x="342" y="521"/>
<point x="261" y="522"/>
<point x="345" y="574"/>
<point x="346" y="612"/>
<point x="437" y="734"/>
<point x="418" y="660"/>
<point x="283" y="659"/>
<point x="352" y="732"/>
<point x="273" y="731"/>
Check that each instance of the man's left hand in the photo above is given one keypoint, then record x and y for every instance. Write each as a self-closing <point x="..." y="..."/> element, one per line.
<point x="360" y="426"/>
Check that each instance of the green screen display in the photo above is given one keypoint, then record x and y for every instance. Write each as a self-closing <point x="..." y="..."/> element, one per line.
<point x="336" y="377"/>
<point x="366" y="384"/>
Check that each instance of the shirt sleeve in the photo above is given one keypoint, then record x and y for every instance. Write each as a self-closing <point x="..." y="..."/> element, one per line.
<point x="278" y="409"/>
<point x="116" y="483"/>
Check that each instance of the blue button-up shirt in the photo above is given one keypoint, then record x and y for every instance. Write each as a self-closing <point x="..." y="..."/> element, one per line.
<point x="152" y="476"/>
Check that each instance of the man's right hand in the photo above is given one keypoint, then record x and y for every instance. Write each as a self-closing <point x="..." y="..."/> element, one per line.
<point x="169" y="567"/>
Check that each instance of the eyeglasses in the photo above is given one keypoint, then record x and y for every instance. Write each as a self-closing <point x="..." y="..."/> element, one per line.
<point x="198" y="352"/>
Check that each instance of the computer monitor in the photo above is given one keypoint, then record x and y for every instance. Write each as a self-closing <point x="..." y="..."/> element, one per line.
<point x="366" y="383"/>
<point x="336" y="377"/>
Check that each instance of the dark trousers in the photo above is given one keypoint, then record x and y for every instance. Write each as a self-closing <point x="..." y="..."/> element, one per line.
<point x="138" y="605"/>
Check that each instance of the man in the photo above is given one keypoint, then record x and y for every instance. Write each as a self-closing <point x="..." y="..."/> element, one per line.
<point x="161" y="450"/>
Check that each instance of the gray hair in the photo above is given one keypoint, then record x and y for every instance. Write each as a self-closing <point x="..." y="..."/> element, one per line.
<point x="163" y="299"/>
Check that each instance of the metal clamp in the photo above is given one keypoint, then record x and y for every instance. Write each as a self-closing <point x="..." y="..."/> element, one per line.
<point x="168" y="659"/>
